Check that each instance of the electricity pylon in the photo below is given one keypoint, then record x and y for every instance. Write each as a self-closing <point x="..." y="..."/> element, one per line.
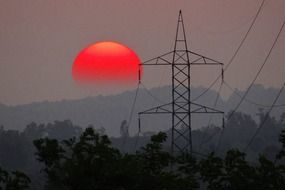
<point x="181" y="108"/>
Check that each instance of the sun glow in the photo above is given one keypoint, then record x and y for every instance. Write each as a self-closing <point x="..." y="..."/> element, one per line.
<point x="106" y="63"/>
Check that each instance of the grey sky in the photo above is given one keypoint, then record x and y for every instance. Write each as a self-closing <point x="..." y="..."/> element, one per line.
<point x="39" y="40"/>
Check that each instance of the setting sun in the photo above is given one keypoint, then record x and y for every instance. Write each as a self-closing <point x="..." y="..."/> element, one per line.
<point x="106" y="62"/>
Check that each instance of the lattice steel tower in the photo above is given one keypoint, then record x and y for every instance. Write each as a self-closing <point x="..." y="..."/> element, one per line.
<point x="181" y="108"/>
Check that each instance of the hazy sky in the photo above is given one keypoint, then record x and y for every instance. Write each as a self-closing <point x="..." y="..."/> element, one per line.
<point x="39" y="40"/>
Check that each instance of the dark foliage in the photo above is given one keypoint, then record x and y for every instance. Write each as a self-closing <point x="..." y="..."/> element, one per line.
<point x="71" y="159"/>
<point x="13" y="181"/>
<point x="91" y="163"/>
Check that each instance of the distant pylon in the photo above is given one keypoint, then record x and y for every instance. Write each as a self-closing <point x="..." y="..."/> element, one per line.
<point x="181" y="108"/>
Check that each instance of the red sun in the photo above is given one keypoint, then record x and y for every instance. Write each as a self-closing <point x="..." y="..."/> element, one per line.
<point x="106" y="63"/>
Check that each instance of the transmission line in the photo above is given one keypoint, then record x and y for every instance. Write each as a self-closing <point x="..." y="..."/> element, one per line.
<point x="131" y="114"/>
<point x="259" y="71"/>
<point x="236" y="52"/>
<point x="151" y="95"/>
<point x="265" y="118"/>
<point x="208" y="125"/>
<point x="229" y="63"/>
<point x="251" y="101"/>
<point x="156" y="99"/>
<point x="257" y="74"/>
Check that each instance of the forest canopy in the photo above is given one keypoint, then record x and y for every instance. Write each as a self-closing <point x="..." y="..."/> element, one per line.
<point x="60" y="155"/>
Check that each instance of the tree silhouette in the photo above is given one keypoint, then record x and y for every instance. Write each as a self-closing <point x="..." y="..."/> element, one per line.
<point x="13" y="181"/>
<point x="90" y="162"/>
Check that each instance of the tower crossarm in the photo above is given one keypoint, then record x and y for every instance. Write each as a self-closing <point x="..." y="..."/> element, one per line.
<point x="165" y="59"/>
<point x="197" y="108"/>
<point x="197" y="59"/>
<point x="167" y="109"/>
<point x="183" y="57"/>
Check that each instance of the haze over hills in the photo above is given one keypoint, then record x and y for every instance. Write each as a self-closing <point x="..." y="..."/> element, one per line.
<point x="110" y="111"/>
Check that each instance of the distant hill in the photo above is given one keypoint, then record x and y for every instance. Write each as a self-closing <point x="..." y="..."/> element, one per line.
<point x="110" y="111"/>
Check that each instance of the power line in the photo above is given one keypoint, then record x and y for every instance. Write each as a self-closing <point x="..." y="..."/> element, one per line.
<point x="259" y="71"/>
<point x="138" y="136"/>
<point x="150" y="94"/>
<point x="133" y="105"/>
<point x="257" y="74"/>
<point x="131" y="114"/>
<point x="236" y="52"/>
<point x="155" y="98"/>
<point x="251" y="101"/>
<point x="208" y="126"/>
<point x="265" y="118"/>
